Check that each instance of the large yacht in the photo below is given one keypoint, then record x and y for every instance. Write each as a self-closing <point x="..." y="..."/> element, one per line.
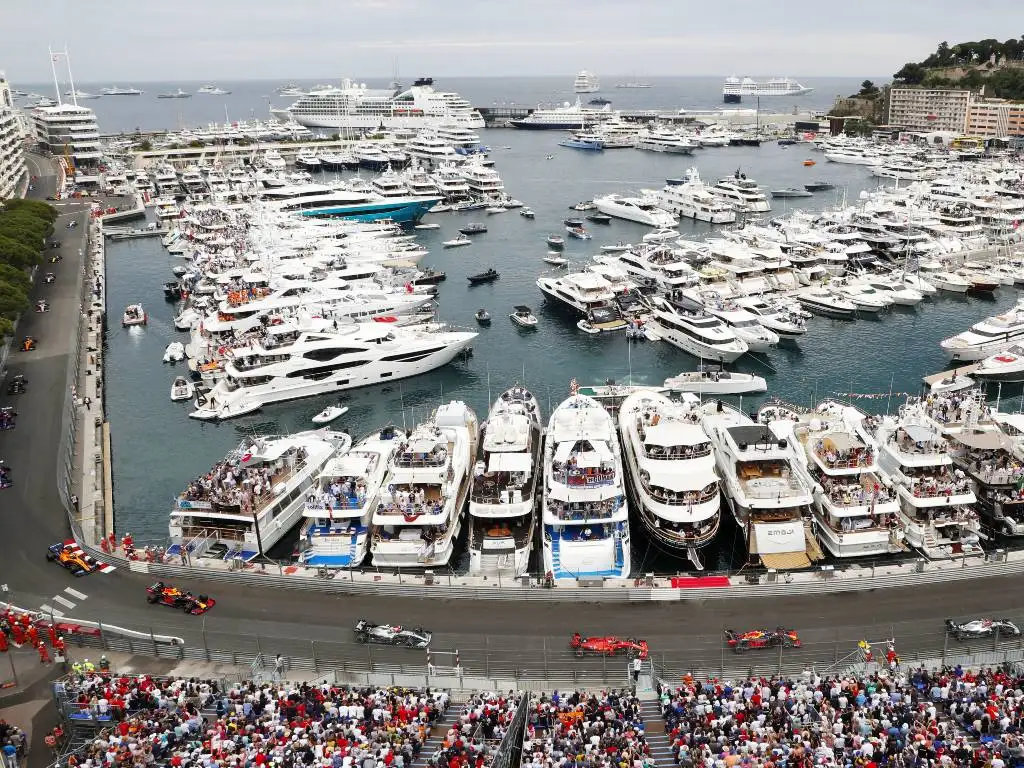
<point x="769" y="499"/>
<point x="505" y="483"/>
<point x="855" y="509"/>
<point x="431" y="148"/>
<point x="336" y="531"/>
<point x="693" y="200"/>
<point x="322" y="201"/>
<point x="581" y="292"/>
<point x="670" y="472"/>
<point x="640" y="210"/>
<point x="660" y="140"/>
<point x="989" y="459"/>
<point x="701" y="334"/>
<point x="253" y="497"/>
<point x="654" y="265"/>
<point x="419" y="515"/>
<point x="741" y="192"/>
<point x="936" y="503"/>
<point x="987" y="337"/>
<point x="586" y="517"/>
<point x="353" y="106"/>
<point x="357" y="355"/>
<point x="586" y="82"/>
<point x="568" y="117"/>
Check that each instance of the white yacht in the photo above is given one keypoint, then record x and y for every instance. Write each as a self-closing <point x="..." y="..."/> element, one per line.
<point x="654" y="265"/>
<point x="936" y="503"/>
<point x="336" y="530"/>
<point x="779" y="319"/>
<point x="746" y="326"/>
<point x="582" y="292"/>
<point x="742" y="193"/>
<point x="431" y="148"/>
<point x="250" y="500"/>
<point x="1007" y="365"/>
<point x="357" y="355"/>
<point x="855" y="508"/>
<point x="693" y="200"/>
<point x="670" y="471"/>
<point x="272" y="159"/>
<point x="991" y="458"/>
<point x="419" y="514"/>
<point x="568" y="117"/>
<point x="987" y="337"/>
<point x="640" y="210"/>
<point x="769" y="499"/>
<point x="212" y="90"/>
<point x="660" y="140"/>
<point x="586" y="82"/>
<point x="482" y="180"/>
<point x="585" y="514"/>
<point x="701" y="334"/>
<point x="505" y="485"/>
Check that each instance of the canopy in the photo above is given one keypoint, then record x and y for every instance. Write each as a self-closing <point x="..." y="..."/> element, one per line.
<point x="919" y="433"/>
<point x="839" y="441"/>
<point x="988" y="440"/>
<point x="509" y="462"/>
<point x="674" y="433"/>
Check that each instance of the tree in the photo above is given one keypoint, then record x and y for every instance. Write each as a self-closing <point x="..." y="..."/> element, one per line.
<point x="19" y="278"/>
<point x="12" y="301"/>
<point x="18" y="255"/>
<point x="911" y="74"/>
<point x="143" y="146"/>
<point x="868" y="89"/>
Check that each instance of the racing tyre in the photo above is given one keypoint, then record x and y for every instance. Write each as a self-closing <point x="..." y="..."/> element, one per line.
<point x="362" y="638"/>
<point x="150" y="599"/>
<point x="50" y="556"/>
<point x="741" y="648"/>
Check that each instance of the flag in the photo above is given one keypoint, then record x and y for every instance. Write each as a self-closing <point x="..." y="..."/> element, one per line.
<point x="1016" y="223"/>
<point x="574" y="388"/>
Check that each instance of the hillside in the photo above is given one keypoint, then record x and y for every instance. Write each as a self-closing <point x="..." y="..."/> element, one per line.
<point x="999" y="67"/>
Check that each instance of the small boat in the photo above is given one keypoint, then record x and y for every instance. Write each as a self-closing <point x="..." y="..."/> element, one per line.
<point x="556" y="241"/>
<point x="979" y="283"/>
<point x="600" y="101"/>
<point x="483" y="316"/>
<point x="579" y="233"/>
<point x="527" y="213"/>
<point x="809" y="163"/>
<point x="329" y="414"/>
<point x="577" y="142"/>
<point x="619" y="247"/>
<point x="586" y="327"/>
<point x="573" y="222"/>
<point x="175" y="352"/>
<point x="586" y="205"/>
<point x="182" y="389"/>
<point x="959" y="381"/>
<point x="523" y="317"/>
<point x="458" y="242"/>
<point x="428" y="226"/>
<point x="179" y="271"/>
<point x="661" y="236"/>
<point x="484" y="277"/>
<point x="429" y="276"/>
<point x="134" y="314"/>
<point x="600" y="218"/>
<point x="441" y="208"/>
<point x="497" y="209"/>
<point x="512" y="203"/>
<point x="819" y="186"/>
<point x="714" y="380"/>
<point x="785" y="142"/>
<point x="172" y="290"/>
<point x="786" y="192"/>
<point x="554" y="259"/>
<point x="473" y="228"/>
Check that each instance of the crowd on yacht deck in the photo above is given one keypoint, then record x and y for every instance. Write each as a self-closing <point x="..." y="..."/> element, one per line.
<point x="231" y="484"/>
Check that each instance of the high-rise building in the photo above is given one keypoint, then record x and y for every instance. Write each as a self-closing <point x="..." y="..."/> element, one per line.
<point x="929" y="109"/>
<point x="995" y="118"/>
<point x="70" y="134"/>
<point x="12" y="151"/>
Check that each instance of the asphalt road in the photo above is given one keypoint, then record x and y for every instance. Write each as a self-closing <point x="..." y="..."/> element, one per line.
<point x="272" y="620"/>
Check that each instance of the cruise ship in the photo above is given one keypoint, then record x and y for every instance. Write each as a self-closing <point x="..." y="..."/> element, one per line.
<point x="353" y="106"/>
<point x="735" y="88"/>
<point x="253" y="497"/>
<point x="670" y="472"/>
<point x="505" y="484"/>
<point x="586" y="517"/>
<point x="336" y="529"/>
<point x="586" y="82"/>
<point x="419" y="514"/>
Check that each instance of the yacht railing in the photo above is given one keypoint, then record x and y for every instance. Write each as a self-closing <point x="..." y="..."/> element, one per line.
<point x="575" y="478"/>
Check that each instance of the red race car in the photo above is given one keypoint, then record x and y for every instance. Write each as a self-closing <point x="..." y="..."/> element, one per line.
<point x="608" y="646"/>
<point x="165" y="594"/>
<point x="761" y="638"/>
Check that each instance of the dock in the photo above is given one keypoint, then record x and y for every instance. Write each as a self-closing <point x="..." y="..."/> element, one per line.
<point x="133" y="234"/>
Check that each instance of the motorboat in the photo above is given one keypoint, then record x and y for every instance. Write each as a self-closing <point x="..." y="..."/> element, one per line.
<point x="506" y="483"/>
<point x="670" y="472"/>
<point x="134" y="314"/>
<point x="949" y="281"/>
<point x="819" y="186"/>
<point x="579" y="233"/>
<point x="527" y="213"/>
<point x="979" y="283"/>
<point x="483" y="316"/>
<point x="174" y="353"/>
<point x="587" y="143"/>
<point x="791" y="192"/>
<point x="329" y="414"/>
<point x="419" y="513"/>
<point x="585" y="513"/>
<point x="556" y="241"/>
<point x="473" y="228"/>
<point x="182" y="389"/>
<point x="573" y="221"/>
<point x="715" y="380"/>
<point x="661" y="236"/>
<point x="458" y="242"/>
<point x="822" y="301"/>
<point x="988" y="337"/>
<point x="491" y="209"/>
<point x="779" y="319"/>
<point x="864" y="299"/>
<point x="1007" y="365"/>
<point x="172" y="290"/>
<point x="640" y="210"/>
<point x="432" y="225"/>
<point x="697" y="332"/>
<point x="599" y="218"/>
<point x="555" y="260"/>
<point x="619" y="247"/>
<point x="892" y="289"/>
<point x="955" y="382"/>
<point x="583" y="205"/>
<point x="587" y="327"/>
<point x="746" y="325"/>
<point x="915" y="282"/>
<point x="523" y="317"/>
<point x="489" y="276"/>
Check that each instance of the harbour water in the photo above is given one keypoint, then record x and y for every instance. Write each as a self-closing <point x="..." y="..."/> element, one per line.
<point x="157" y="449"/>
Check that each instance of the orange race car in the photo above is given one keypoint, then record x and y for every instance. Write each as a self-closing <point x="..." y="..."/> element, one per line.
<point x="72" y="558"/>
<point x="608" y="646"/>
<point x="165" y="594"/>
<point x="761" y="638"/>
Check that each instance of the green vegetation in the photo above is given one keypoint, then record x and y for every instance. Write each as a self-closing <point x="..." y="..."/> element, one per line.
<point x="24" y="227"/>
<point x="997" y="66"/>
<point x="143" y="146"/>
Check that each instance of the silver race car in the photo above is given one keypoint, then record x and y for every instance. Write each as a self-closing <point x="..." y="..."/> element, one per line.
<point x="385" y="634"/>
<point x="969" y="630"/>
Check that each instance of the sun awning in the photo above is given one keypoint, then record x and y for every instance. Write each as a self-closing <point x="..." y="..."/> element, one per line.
<point x="673" y="433"/>
<point x="1015" y="420"/>
<point x="509" y="462"/>
<point x="680" y="482"/>
<point x="786" y="561"/>
<point x="918" y="433"/>
<point x="839" y="441"/>
<point x="988" y="440"/>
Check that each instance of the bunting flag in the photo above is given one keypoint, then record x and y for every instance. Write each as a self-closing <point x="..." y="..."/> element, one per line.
<point x="871" y="395"/>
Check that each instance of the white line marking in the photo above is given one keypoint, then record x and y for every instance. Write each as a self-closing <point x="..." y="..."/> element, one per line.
<point x="75" y="593"/>
<point x="63" y="601"/>
<point x="57" y="614"/>
<point x="46" y="608"/>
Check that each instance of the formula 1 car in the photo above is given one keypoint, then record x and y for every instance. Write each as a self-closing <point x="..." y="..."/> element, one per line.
<point x="761" y="638"/>
<point x="970" y="630"/>
<point x="175" y="598"/>
<point x="72" y="558"/>
<point x="385" y="634"/>
<point x="608" y="646"/>
<point x="28" y="344"/>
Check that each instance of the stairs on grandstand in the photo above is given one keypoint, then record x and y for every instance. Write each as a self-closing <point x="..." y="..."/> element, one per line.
<point x="437" y="734"/>
<point x="654" y="732"/>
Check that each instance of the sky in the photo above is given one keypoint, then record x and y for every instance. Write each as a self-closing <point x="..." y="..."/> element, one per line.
<point x="182" y="40"/>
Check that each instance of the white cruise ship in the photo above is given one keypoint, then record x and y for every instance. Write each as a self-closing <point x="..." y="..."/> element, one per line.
<point x="419" y="515"/>
<point x="670" y="471"/>
<point x="659" y="140"/>
<point x="357" y="355"/>
<point x="741" y="192"/>
<point x="736" y="88"/>
<point x="855" y="507"/>
<point x="353" y="106"/>
<point x="693" y="199"/>
<point x="568" y="117"/>
<point x="769" y="499"/>
<point x="505" y="484"/>
<point x="640" y="210"/>
<point x="987" y="337"/>
<point x="586" y="517"/>
<point x="250" y="500"/>
<point x="336" y="530"/>
<point x="586" y="82"/>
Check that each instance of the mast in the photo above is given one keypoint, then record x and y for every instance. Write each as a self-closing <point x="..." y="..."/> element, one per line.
<point x="53" y="68"/>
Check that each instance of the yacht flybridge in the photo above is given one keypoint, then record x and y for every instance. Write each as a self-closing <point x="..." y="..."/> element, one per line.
<point x="988" y="337"/>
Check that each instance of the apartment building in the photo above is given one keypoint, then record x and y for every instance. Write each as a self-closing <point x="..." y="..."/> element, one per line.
<point x="12" y="151"/>
<point x="929" y="109"/>
<point x="993" y="118"/>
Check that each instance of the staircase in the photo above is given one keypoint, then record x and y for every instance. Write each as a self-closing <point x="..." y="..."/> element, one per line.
<point x="654" y="731"/>
<point x="556" y="559"/>
<point x="437" y="734"/>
